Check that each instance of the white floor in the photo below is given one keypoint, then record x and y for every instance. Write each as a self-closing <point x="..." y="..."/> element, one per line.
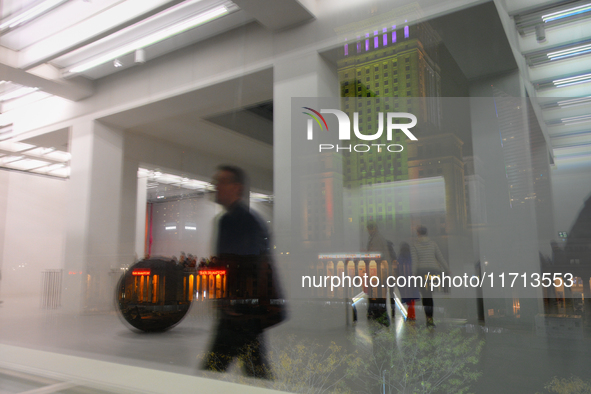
<point x="99" y="354"/>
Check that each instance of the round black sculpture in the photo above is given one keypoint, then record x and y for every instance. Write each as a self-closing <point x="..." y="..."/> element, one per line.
<point x="153" y="294"/>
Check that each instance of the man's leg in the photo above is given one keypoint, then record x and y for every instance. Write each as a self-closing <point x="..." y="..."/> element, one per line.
<point x="254" y="358"/>
<point x="223" y="350"/>
<point x="427" y="297"/>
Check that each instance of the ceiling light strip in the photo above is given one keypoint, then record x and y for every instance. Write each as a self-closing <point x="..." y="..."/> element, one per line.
<point x="576" y="118"/>
<point x="573" y="83"/>
<point x="569" y="52"/>
<point x="31" y="14"/>
<point x="153" y="38"/>
<point x="572" y="80"/>
<point x="146" y="21"/>
<point x="566" y="13"/>
<point x="574" y="102"/>
<point x="17" y="93"/>
<point x="569" y="135"/>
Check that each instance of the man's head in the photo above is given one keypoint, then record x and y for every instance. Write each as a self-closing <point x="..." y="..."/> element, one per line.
<point x="229" y="184"/>
<point x="421" y="231"/>
<point x="372" y="227"/>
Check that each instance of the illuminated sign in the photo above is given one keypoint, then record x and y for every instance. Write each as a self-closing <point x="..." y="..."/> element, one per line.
<point x="140" y="272"/>
<point x="343" y="256"/>
<point x="212" y="272"/>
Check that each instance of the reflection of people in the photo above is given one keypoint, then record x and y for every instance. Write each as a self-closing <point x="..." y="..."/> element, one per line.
<point x="408" y="293"/>
<point x="377" y="243"/>
<point x="427" y="259"/>
<point x="242" y="242"/>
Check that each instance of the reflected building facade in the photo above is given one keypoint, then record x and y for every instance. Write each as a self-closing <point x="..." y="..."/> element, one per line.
<point x="388" y="66"/>
<point x="398" y="66"/>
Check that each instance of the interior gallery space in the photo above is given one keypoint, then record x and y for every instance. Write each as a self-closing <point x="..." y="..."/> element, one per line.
<point x="383" y="141"/>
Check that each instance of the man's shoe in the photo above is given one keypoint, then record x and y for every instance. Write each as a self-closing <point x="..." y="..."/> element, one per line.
<point x="430" y="322"/>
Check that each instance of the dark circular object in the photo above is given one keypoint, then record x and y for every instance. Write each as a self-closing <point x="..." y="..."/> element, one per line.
<point x="154" y="294"/>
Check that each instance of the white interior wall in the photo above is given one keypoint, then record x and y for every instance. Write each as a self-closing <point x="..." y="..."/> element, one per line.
<point x="199" y="212"/>
<point x="32" y="211"/>
<point x="167" y="156"/>
<point x="195" y="212"/>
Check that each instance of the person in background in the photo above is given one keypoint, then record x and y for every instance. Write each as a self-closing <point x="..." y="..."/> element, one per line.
<point x="427" y="259"/>
<point x="377" y="243"/>
<point x="191" y="261"/>
<point x="408" y="293"/>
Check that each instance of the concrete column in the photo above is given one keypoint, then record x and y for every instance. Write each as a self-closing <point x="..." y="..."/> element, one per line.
<point x="140" y="218"/>
<point x="509" y="243"/>
<point x="130" y="205"/>
<point x="308" y="75"/>
<point x="3" y="212"/>
<point x="95" y="221"/>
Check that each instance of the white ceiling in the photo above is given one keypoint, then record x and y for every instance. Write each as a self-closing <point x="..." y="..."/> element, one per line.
<point x="180" y="120"/>
<point x="76" y="31"/>
<point x="40" y="52"/>
<point x="567" y="140"/>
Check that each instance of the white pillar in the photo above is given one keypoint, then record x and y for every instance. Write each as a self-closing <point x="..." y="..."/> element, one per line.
<point x="3" y="212"/>
<point x="140" y="221"/>
<point x="297" y="76"/>
<point x="93" y="239"/>
<point x="130" y="206"/>
<point x="509" y="243"/>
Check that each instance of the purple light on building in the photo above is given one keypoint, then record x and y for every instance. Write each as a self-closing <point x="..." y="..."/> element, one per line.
<point x="393" y="34"/>
<point x="346" y="49"/>
<point x="358" y="44"/>
<point x="376" y="40"/>
<point x="367" y="41"/>
<point x="385" y="31"/>
<point x="406" y="33"/>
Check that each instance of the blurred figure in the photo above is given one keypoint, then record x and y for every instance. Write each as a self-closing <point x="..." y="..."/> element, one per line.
<point x="427" y="259"/>
<point x="408" y="293"/>
<point x="377" y="243"/>
<point x="191" y="261"/>
<point x="243" y="247"/>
